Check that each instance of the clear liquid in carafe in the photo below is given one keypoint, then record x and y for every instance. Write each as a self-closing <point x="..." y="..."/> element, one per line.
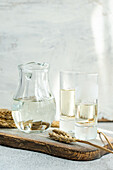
<point x="29" y="114"/>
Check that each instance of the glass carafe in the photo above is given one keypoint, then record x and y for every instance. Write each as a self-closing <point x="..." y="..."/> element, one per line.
<point x="33" y="105"/>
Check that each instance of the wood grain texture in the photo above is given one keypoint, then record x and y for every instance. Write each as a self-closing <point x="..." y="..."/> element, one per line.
<point x="104" y="120"/>
<point x="41" y="143"/>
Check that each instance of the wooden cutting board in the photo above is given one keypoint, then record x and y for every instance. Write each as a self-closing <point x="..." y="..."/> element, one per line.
<point x="42" y="143"/>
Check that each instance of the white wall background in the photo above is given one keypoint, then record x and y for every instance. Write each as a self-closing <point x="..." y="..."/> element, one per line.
<point x="68" y="34"/>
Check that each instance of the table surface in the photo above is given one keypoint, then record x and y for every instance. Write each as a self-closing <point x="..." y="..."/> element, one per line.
<point x="16" y="159"/>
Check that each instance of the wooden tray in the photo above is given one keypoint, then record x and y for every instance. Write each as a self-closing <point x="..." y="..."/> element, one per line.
<point x="42" y="143"/>
<point x="104" y="120"/>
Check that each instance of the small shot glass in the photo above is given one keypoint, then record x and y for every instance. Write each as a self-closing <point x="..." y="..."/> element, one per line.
<point x="86" y="106"/>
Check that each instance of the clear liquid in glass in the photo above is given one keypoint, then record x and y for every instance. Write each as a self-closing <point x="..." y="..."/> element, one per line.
<point x="86" y="114"/>
<point x="67" y="109"/>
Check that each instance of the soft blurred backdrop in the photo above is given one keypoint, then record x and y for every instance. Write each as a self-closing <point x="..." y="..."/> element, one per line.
<point x="68" y="34"/>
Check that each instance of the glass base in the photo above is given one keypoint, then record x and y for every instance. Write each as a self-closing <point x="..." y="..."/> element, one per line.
<point x="85" y="133"/>
<point x="67" y="125"/>
<point x="28" y="129"/>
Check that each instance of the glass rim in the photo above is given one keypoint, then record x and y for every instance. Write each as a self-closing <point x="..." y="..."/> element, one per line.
<point x="37" y="66"/>
<point x="79" y="73"/>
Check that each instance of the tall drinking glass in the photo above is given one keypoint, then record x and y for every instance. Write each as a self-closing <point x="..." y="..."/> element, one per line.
<point x="67" y="101"/>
